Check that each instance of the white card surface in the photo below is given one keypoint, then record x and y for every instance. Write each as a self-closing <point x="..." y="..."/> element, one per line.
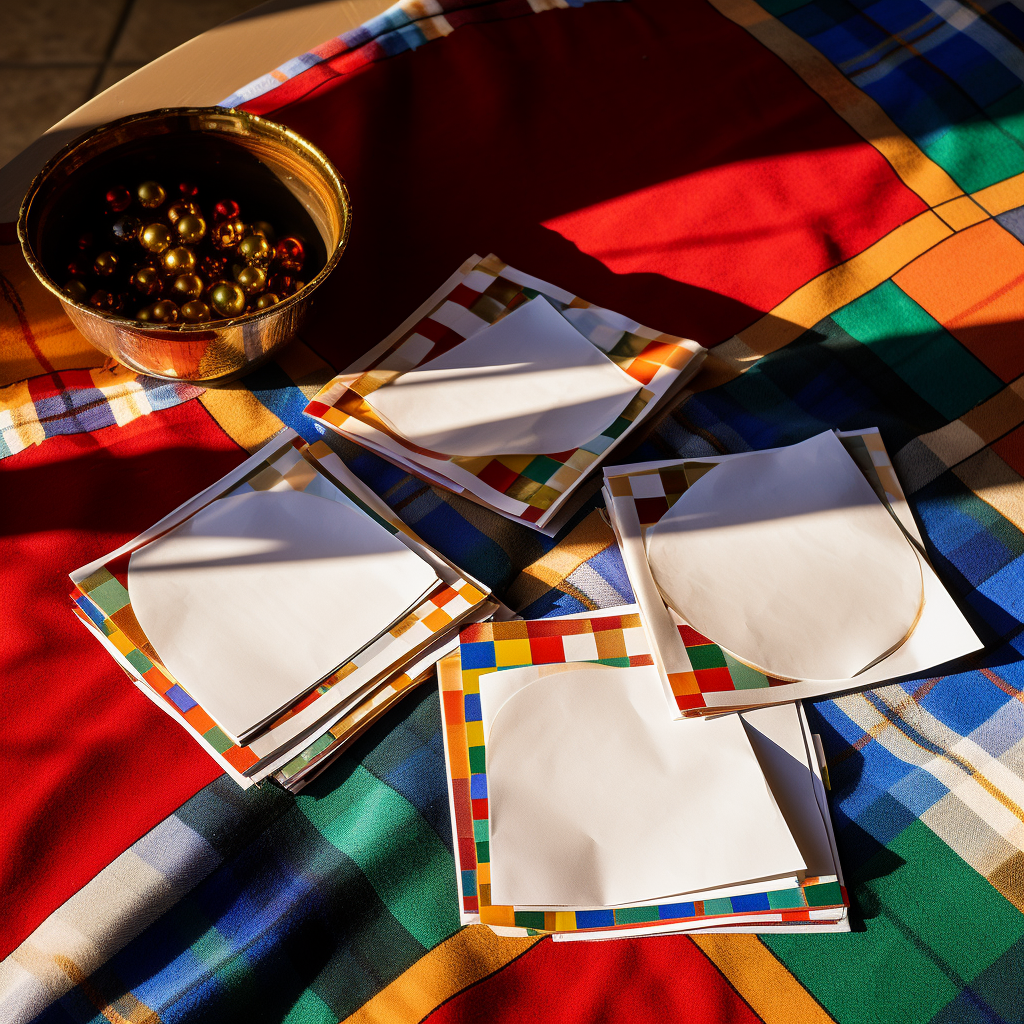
<point x="597" y="798"/>
<point x="788" y="559"/>
<point x="259" y="595"/>
<point x="528" y="384"/>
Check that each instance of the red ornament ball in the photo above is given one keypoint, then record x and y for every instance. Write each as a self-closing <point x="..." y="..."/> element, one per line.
<point x="290" y="253"/>
<point x="118" y="199"/>
<point x="226" y="209"/>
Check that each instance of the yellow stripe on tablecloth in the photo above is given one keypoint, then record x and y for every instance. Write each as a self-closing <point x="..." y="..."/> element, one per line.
<point x="591" y="537"/>
<point x="1002" y="196"/>
<point x="820" y="297"/>
<point x="464" y="959"/>
<point x="766" y="985"/>
<point x="241" y="415"/>
<point x="916" y="170"/>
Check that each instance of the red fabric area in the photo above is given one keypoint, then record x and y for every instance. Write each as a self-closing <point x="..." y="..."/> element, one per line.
<point x="648" y="981"/>
<point x="93" y="763"/>
<point x="650" y="156"/>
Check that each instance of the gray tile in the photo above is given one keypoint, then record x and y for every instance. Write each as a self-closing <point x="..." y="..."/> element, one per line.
<point x="156" y="26"/>
<point x="114" y="73"/>
<point x="34" y="99"/>
<point x="57" y="31"/>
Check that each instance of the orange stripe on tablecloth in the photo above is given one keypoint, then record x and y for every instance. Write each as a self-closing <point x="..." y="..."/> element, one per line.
<point x="974" y="286"/>
<point x="466" y="958"/>
<point x="765" y="984"/>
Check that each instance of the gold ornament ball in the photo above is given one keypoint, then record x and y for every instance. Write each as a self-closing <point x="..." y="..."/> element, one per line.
<point x="105" y="264"/>
<point x="227" y="299"/>
<point x="252" y="280"/>
<point x="76" y="290"/>
<point x="155" y="237"/>
<point x="150" y="194"/>
<point x="266" y="300"/>
<point x="145" y="314"/>
<point x="182" y="208"/>
<point x="165" y="311"/>
<point x="147" y="280"/>
<point x="191" y="228"/>
<point x="264" y="228"/>
<point x="195" y="312"/>
<point x="187" y="286"/>
<point x="179" y="260"/>
<point x="228" y="233"/>
<point x="256" y="250"/>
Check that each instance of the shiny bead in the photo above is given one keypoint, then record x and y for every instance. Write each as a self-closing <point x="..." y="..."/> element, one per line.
<point x="191" y="228"/>
<point x="252" y="280"/>
<point x="182" y="208"/>
<point x="150" y="194"/>
<point x="187" y="286"/>
<point x="86" y="241"/>
<point x="290" y="253"/>
<point x="118" y="199"/>
<point x="155" y="237"/>
<point x="227" y="299"/>
<point x="228" y="233"/>
<point x="147" y="281"/>
<point x="195" y="312"/>
<point x="145" y="314"/>
<point x="79" y="268"/>
<point x="226" y="209"/>
<point x="266" y="300"/>
<point x="179" y="260"/>
<point x="102" y="299"/>
<point x="264" y="228"/>
<point x="284" y="285"/>
<point x="213" y="268"/>
<point x="165" y="312"/>
<point x="125" y="229"/>
<point x="188" y="189"/>
<point x="255" y="250"/>
<point x="76" y="290"/>
<point x="105" y="264"/>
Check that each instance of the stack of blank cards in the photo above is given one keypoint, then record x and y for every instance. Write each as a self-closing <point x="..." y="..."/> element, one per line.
<point x="278" y="613"/>
<point x="508" y="390"/>
<point x="581" y="808"/>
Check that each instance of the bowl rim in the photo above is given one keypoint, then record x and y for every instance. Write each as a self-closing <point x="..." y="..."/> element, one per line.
<point x="326" y="166"/>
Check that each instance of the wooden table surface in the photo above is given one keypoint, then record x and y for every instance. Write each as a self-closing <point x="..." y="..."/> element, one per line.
<point x="201" y="72"/>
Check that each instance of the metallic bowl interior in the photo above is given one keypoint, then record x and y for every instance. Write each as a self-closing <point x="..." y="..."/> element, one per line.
<point x="268" y="162"/>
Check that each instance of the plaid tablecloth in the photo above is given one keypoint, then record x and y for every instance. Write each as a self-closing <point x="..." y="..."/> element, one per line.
<point x="831" y="194"/>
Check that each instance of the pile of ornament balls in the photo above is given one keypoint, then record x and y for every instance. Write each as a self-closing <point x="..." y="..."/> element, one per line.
<point x="161" y="258"/>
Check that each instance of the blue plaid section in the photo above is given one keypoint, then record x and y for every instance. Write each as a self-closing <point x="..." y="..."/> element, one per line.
<point x="927" y="773"/>
<point x="294" y="908"/>
<point x="950" y="75"/>
<point x="79" y="401"/>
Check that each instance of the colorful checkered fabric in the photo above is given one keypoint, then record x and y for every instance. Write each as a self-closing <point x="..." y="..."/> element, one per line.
<point x="484" y="292"/>
<point x="902" y="310"/>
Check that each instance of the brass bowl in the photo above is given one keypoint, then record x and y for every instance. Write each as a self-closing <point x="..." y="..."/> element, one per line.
<point x="268" y="167"/>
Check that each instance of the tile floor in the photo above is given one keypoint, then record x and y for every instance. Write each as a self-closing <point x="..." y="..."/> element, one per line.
<point x="56" y="54"/>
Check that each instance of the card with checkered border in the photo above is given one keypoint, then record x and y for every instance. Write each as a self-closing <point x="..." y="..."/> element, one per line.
<point x="699" y="676"/>
<point x="528" y="488"/>
<point x="613" y="637"/>
<point x="104" y="605"/>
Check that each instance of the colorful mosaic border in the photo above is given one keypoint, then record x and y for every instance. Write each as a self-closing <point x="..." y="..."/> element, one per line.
<point x="652" y="492"/>
<point x="615" y="640"/>
<point x="486" y="293"/>
<point x="103" y="599"/>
